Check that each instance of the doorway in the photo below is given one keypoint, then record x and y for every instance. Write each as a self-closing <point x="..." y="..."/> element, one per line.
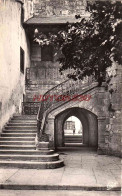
<point x="89" y="127"/>
<point x="73" y="132"/>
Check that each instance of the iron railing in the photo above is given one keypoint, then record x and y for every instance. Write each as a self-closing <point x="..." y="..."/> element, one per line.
<point x="67" y="88"/>
<point x="30" y="108"/>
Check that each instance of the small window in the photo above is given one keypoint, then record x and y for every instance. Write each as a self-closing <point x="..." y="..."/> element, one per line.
<point x="47" y="53"/>
<point x="22" y="60"/>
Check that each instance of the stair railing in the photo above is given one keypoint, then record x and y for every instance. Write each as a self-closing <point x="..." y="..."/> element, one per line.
<point x="51" y="100"/>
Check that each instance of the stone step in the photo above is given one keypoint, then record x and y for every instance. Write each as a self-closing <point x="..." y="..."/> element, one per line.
<point x="23" y="121"/>
<point x="18" y="134"/>
<point x="32" y="165"/>
<point x="21" y="127"/>
<point x="11" y="124"/>
<point x="42" y="158"/>
<point x="25" y="117"/>
<point x="73" y="144"/>
<point x="81" y="148"/>
<point x="73" y="136"/>
<point x="26" y="152"/>
<point x="73" y="141"/>
<point x="18" y="147"/>
<point x="17" y="142"/>
<point x="17" y="138"/>
<point x="19" y="131"/>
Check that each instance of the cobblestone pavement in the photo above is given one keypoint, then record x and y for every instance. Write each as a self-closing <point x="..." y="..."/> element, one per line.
<point x="82" y="169"/>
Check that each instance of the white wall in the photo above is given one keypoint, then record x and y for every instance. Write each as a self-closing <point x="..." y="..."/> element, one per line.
<point x="12" y="36"/>
<point x="28" y="8"/>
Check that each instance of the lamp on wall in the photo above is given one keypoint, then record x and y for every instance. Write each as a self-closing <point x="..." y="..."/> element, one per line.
<point x="36" y="31"/>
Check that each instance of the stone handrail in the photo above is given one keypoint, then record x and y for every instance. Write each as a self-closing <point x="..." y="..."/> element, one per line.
<point x="52" y="99"/>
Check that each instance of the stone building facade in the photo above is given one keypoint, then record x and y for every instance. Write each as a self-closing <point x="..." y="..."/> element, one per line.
<point x="27" y="70"/>
<point x="46" y="8"/>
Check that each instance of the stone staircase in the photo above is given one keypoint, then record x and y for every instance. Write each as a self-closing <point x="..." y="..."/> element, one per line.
<point x="73" y="140"/>
<point x="18" y="149"/>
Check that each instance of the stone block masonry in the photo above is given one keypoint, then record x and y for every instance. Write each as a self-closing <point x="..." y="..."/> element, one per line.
<point x="114" y="124"/>
<point x="46" y="8"/>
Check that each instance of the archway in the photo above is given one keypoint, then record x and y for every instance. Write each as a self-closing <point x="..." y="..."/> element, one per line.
<point x="89" y="123"/>
<point x="73" y="132"/>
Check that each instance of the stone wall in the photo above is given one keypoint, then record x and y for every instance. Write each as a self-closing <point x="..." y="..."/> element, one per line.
<point x="12" y="37"/>
<point x="42" y="75"/>
<point x="89" y="123"/>
<point x="106" y="105"/>
<point x="114" y="122"/>
<point x="46" y="8"/>
<point x="107" y="100"/>
<point x="28" y="9"/>
<point x="97" y="109"/>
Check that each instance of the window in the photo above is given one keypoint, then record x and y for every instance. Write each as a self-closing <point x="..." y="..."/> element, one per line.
<point x="47" y="53"/>
<point x="22" y="54"/>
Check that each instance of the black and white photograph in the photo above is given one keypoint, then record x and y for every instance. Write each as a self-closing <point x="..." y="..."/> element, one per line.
<point x="60" y="97"/>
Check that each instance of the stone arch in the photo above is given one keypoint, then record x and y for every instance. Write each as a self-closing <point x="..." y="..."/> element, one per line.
<point x="97" y="106"/>
<point x="88" y="120"/>
<point x="90" y="106"/>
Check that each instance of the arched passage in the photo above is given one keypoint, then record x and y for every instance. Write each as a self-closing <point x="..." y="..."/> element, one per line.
<point x="73" y="132"/>
<point x="89" y="123"/>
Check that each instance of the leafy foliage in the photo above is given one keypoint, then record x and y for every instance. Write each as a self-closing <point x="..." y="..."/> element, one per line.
<point x="89" y="47"/>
